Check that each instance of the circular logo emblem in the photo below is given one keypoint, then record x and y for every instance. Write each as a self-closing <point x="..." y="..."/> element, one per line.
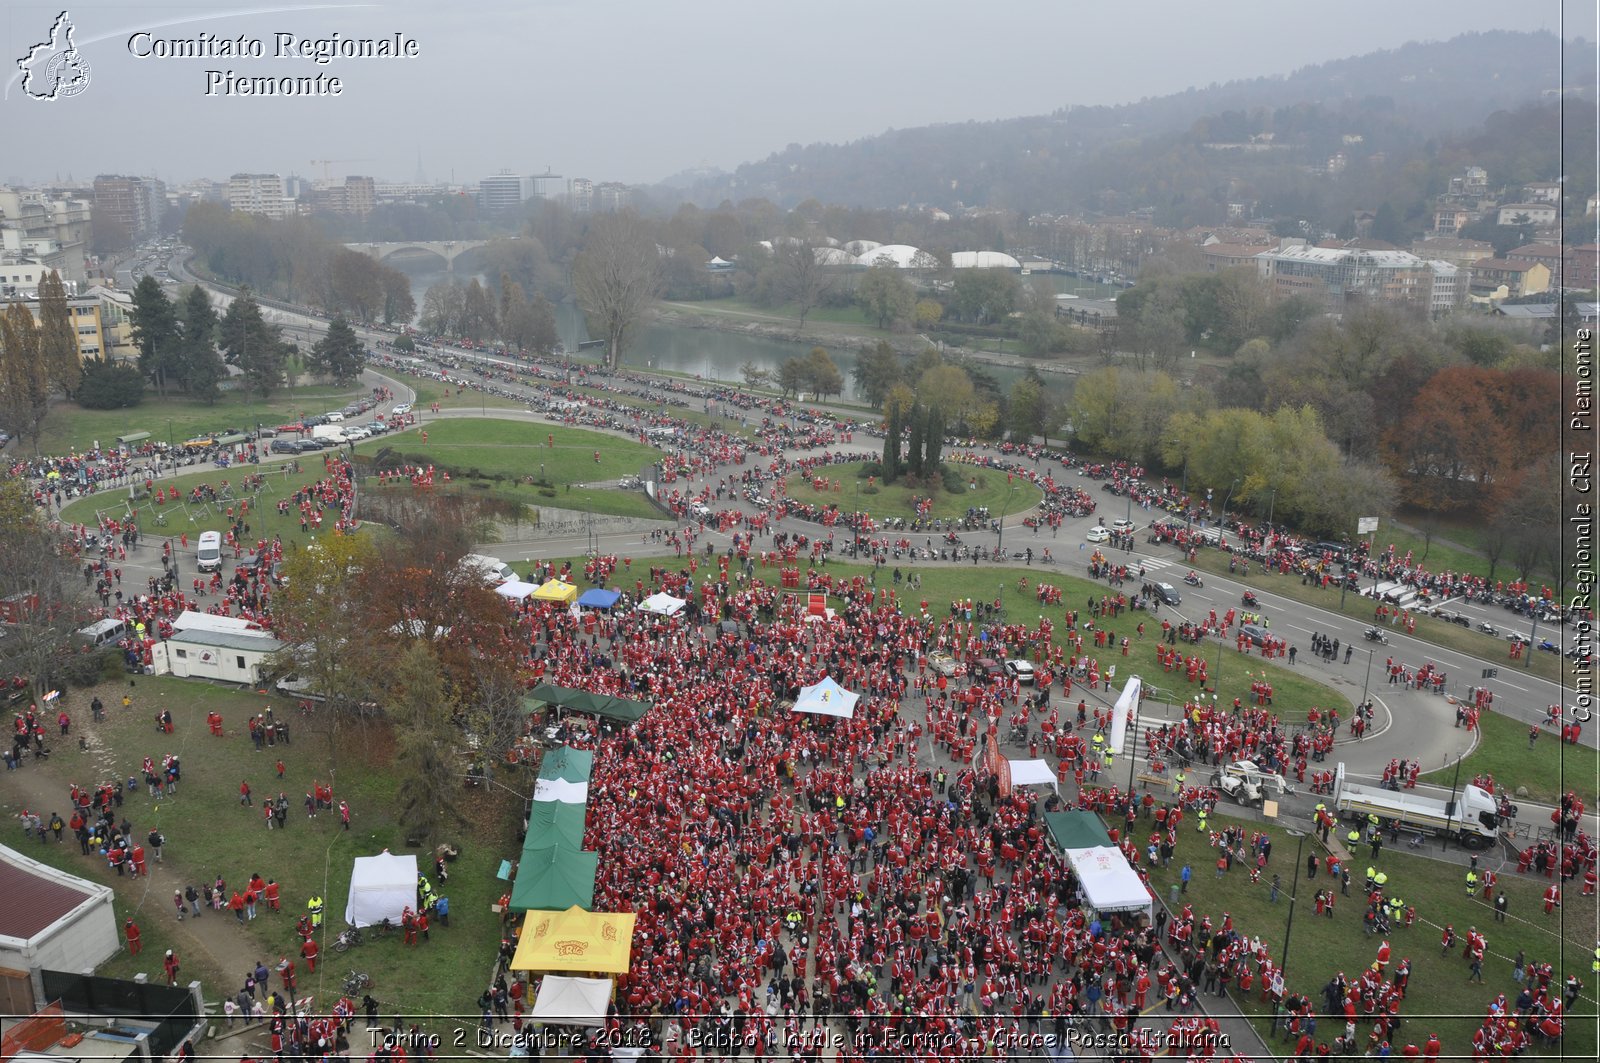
<point x="67" y="73"/>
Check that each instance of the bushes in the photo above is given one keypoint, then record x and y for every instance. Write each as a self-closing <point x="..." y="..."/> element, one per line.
<point x="92" y="666"/>
<point x="953" y="480"/>
<point x="109" y="386"/>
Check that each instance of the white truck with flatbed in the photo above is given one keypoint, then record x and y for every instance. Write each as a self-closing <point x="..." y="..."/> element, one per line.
<point x="1472" y="818"/>
<point x="1250" y="784"/>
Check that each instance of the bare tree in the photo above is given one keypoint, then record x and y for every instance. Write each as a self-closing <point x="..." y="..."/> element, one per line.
<point x="45" y="596"/>
<point x="617" y="276"/>
<point x="804" y="279"/>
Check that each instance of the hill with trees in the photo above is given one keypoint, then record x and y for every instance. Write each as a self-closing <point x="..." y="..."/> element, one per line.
<point x="1170" y="151"/>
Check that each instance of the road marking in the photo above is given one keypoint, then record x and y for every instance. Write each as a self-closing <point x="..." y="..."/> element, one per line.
<point x="1307" y="630"/>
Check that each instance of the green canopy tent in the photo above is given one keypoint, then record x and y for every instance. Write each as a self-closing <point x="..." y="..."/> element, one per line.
<point x="1076" y="830"/>
<point x="568" y="764"/>
<point x="554" y="878"/>
<point x="554" y="823"/>
<point x="612" y="708"/>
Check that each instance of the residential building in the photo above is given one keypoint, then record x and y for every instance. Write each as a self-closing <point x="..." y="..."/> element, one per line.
<point x="1341" y="277"/>
<point x="1543" y="192"/>
<point x="407" y="191"/>
<point x="1551" y="256"/>
<point x="1451" y="220"/>
<point x="259" y="193"/>
<point x="1453" y="249"/>
<point x="44" y="229"/>
<point x="1472" y="183"/>
<point x="504" y="191"/>
<point x="1452" y="287"/>
<point x="580" y="195"/>
<point x="1219" y="257"/>
<point x="1582" y="265"/>
<point x="1517" y="276"/>
<point x="357" y="196"/>
<point x="128" y="205"/>
<point x="102" y="319"/>
<point x="1537" y="214"/>
<point x="611" y="196"/>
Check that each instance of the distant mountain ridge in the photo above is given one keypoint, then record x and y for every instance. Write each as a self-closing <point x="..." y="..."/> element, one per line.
<point x="1062" y="161"/>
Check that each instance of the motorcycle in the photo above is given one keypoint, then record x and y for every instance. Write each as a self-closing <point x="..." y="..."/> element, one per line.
<point x="1488" y="628"/>
<point x="1250" y="600"/>
<point x="1372" y="634"/>
<point x="1194" y="581"/>
<point x="1549" y="647"/>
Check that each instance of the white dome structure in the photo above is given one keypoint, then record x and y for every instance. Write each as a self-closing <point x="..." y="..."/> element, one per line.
<point x="901" y="256"/>
<point x="833" y="256"/>
<point x="983" y="260"/>
<point x="861" y="247"/>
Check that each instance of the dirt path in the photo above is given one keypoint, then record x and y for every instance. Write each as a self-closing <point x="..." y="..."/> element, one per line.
<point x="213" y="948"/>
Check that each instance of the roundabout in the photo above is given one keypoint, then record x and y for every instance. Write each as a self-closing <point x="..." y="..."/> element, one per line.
<point x="859" y="487"/>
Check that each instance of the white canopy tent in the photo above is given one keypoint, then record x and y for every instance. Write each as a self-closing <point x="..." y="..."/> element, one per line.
<point x="516" y="589"/>
<point x="568" y="793"/>
<point x="1032" y="773"/>
<point x="1108" y="882"/>
<point x="381" y="887"/>
<point x="662" y="604"/>
<point x="827" y="698"/>
<point x="575" y="1001"/>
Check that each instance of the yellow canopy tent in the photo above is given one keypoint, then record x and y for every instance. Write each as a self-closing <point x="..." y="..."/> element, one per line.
<point x="556" y="591"/>
<point x="575" y="940"/>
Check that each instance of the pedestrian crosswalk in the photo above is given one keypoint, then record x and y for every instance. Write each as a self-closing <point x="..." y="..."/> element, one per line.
<point x="1156" y="564"/>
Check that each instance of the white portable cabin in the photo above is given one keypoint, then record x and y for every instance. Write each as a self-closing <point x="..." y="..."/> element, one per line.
<point x="231" y="656"/>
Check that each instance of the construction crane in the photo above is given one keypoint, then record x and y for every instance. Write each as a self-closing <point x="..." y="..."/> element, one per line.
<point x="325" y="163"/>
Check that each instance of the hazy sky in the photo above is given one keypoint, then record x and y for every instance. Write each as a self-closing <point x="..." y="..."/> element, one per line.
<point x="635" y="91"/>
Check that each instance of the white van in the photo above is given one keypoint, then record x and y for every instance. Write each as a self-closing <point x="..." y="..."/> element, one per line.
<point x="492" y="567"/>
<point x="209" y="555"/>
<point x="104" y="632"/>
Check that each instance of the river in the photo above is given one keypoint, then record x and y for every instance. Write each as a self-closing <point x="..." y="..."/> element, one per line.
<point x="705" y="353"/>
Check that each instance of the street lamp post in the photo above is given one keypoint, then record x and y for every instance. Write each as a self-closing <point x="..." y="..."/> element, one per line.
<point x="1272" y="505"/>
<point x="1000" y="529"/>
<point x="1002" y="603"/>
<point x="1294" y="892"/>
<point x="1372" y="651"/>
<point x="1223" y="514"/>
<point x="1455" y="782"/>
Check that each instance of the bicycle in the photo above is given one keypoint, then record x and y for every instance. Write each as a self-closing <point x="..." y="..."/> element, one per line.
<point x="356" y="982"/>
<point x="348" y="937"/>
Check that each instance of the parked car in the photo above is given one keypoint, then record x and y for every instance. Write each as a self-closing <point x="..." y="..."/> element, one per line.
<point x="1097" y="534"/>
<point x="285" y="446"/>
<point x="942" y="663"/>
<point x="404" y="407"/>
<point x="1167" y="593"/>
<point x="306" y="446"/>
<point x="1122" y="525"/>
<point x="1257" y="634"/>
<point x="1021" y="671"/>
<point x="987" y="669"/>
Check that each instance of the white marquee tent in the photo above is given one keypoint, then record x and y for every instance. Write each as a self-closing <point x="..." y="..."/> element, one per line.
<point x="381" y="887"/>
<point x="578" y="1001"/>
<point x="1032" y="773"/>
<point x="827" y="698"/>
<point x="568" y="793"/>
<point x="516" y="589"/>
<point x="662" y="604"/>
<point x="1109" y="884"/>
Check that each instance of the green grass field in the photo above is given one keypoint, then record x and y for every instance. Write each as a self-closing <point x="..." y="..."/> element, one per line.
<point x="1547" y="770"/>
<point x="1439" y="998"/>
<point x="264" y="520"/>
<point x="1293" y="693"/>
<point x="451" y="398"/>
<point x="486" y="448"/>
<point x="895" y="500"/>
<point x="209" y="834"/>
<point x="69" y="427"/>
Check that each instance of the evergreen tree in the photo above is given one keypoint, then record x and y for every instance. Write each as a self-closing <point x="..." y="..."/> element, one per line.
<point x="199" y="364"/>
<point x="24" y="384"/>
<point x="58" y="342"/>
<point x="914" y="450"/>
<point x="337" y="354"/>
<point x="253" y="345"/>
<point x="932" y="442"/>
<point x="891" y="444"/>
<point x="155" y="330"/>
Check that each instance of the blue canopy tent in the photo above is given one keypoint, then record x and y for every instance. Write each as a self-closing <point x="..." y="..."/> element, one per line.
<point x="598" y="598"/>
